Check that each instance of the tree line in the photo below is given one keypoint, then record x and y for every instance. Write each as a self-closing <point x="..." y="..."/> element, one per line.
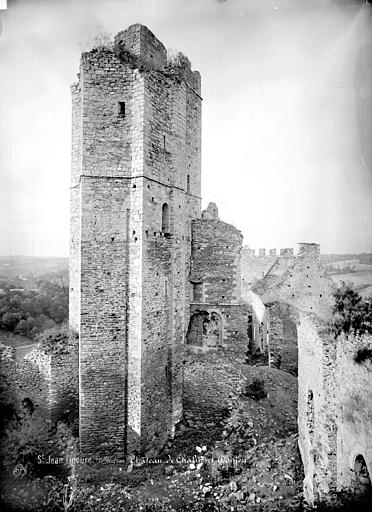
<point x="30" y="312"/>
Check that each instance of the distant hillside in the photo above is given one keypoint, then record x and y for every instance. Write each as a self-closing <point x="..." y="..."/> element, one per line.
<point x="364" y="257"/>
<point x="356" y="272"/>
<point x="24" y="270"/>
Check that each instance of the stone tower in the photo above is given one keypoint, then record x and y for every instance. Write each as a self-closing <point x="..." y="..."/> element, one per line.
<point x="136" y="144"/>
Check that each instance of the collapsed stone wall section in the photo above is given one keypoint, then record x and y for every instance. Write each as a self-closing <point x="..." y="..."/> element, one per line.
<point x="49" y="381"/>
<point x="216" y="282"/>
<point x="283" y="351"/>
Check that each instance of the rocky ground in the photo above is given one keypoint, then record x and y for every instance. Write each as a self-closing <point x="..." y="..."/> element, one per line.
<point x="244" y="457"/>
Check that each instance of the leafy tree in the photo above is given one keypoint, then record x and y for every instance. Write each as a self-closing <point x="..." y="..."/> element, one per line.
<point x="10" y="320"/>
<point x="351" y="313"/>
<point x="59" y="340"/>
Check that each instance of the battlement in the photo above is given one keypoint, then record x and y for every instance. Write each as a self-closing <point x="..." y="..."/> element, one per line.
<point x="269" y="253"/>
<point x="307" y="249"/>
<point x="286" y="253"/>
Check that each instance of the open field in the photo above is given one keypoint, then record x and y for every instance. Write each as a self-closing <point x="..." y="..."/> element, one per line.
<point x="351" y="263"/>
<point x="361" y="279"/>
<point x="29" y="267"/>
<point x="22" y="344"/>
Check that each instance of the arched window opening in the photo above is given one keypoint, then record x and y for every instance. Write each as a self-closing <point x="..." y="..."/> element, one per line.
<point x="188" y="184"/>
<point x="205" y="330"/>
<point x="165" y="218"/>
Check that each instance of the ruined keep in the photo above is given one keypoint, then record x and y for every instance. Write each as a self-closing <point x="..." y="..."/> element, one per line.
<point x="135" y="189"/>
<point x="135" y="229"/>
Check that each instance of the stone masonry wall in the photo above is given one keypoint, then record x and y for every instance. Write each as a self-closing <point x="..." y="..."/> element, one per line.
<point x="215" y="280"/>
<point x="283" y="337"/>
<point x="49" y="380"/>
<point x="234" y="328"/>
<point x="102" y="155"/>
<point x="29" y="377"/>
<point x="217" y="336"/>
<point x="216" y="248"/>
<point x="64" y="388"/>
<point x="334" y="408"/>
<point x="210" y="380"/>
<point x="33" y="378"/>
<point x="303" y="285"/>
<point x="354" y="407"/>
<point x="103" y="332"/>
<point x="75" y="217"/>
<point x="317" y="409"/>
<point x="254" y="268"/>
<point x="172" y="164"/>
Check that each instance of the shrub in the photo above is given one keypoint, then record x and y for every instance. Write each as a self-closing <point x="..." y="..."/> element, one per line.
<point x="256" y="390"/>
<point x="26" y="438"/>
<point x="351" y="313"/>
<point x="363" y="354"/>
<point x="58" y="340"/>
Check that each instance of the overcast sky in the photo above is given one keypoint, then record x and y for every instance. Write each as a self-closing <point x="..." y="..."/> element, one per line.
<point x="281" y="151"/>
